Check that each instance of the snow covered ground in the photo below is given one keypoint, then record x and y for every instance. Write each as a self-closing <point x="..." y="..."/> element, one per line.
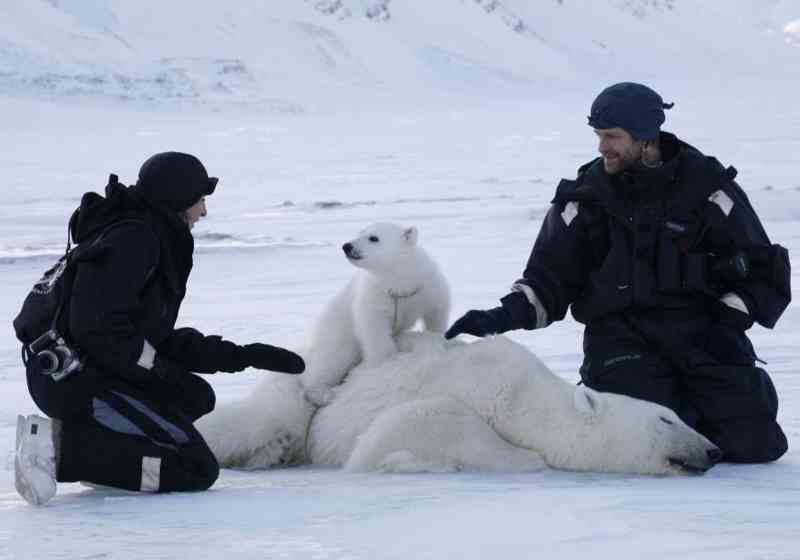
<point x="329" y="123"/>
<point x="476" y="183"/>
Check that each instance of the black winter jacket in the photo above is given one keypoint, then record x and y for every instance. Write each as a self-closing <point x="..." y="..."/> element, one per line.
<point x="652" y="240"/>
<point x="129" y="290"/>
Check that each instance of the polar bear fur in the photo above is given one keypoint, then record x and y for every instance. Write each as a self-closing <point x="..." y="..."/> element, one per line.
<point x="396" y="284"/>
<point x="444" y="406"/>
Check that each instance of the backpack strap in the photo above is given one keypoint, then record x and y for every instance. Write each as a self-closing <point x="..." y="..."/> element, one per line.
<point x="78" y="253"/>
<point x="594" y="210"/>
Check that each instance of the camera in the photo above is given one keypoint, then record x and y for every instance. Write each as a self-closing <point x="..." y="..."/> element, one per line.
<point x="54" y="357"/>
<point x="731" y="269"/>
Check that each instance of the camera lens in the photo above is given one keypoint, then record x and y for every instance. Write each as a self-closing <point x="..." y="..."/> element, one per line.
<point x="48" y="362"/>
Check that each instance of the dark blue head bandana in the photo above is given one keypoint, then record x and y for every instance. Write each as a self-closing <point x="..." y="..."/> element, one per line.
<point x="630" y="106"/>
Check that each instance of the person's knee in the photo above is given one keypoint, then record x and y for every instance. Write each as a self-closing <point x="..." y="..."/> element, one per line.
<point x="204" y="474"/>
<point x="209" y="476"/>
<point x="738" y="408"/>
<point x="749" y="440"/>
<point x="206" y="402"/>
<point x="192" y="470"/>
<point x="196" y="397"/>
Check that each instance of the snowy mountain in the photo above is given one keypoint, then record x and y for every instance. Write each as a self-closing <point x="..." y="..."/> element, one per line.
<point x="291" y="56"/>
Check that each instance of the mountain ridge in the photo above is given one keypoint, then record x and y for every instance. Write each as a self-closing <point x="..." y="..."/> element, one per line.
<point x="317" y="52"/>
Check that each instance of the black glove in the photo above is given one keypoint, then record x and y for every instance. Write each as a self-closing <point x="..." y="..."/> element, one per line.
<point x="516" y="312"/>
<point x="726" y="340"/>
<point x="209" y="354"/>
<point x="264" y="356"/>
<point x="480" y="323"/>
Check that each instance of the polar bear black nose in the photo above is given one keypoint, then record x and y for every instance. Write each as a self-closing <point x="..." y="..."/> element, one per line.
<point x="347" y="247"/>
<point x="714" y="455"/>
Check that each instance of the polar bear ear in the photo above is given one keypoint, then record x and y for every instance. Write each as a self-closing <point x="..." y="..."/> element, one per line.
<point x="411" y="235"/>
<point x="587" y="401"/>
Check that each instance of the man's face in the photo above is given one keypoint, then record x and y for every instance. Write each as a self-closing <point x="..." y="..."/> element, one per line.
<point x="619" y="149"/>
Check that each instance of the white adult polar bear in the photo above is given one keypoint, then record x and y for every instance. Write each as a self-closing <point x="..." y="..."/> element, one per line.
<point x="396" y="285"/>
<point x="443" y="405"/>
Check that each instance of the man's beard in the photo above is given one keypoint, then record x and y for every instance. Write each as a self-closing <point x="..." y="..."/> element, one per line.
<point x="622" y="161"/>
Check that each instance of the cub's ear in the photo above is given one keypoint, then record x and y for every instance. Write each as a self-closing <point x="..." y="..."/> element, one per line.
<point x="587" y="401"/>
<point x="411" y="235"/>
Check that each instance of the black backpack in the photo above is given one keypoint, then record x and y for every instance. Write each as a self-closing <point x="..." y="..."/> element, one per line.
<point x="43" y="305"/>
<point x="38" y="325"/>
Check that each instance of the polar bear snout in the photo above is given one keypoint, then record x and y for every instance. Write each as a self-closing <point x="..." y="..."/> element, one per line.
<point x="697" y="463"/>
<point x="351" y="252"/>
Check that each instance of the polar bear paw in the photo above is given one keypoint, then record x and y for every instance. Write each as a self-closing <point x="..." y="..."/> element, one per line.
<point x="319" y="395"/>
<point x="277" y="451"/>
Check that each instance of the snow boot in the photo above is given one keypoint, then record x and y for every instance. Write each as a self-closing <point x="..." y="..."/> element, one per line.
<point x="35" y="459"/>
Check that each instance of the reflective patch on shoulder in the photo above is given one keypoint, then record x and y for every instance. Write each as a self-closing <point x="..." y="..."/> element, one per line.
<point x="148" y="357"/>
<point x="151" y="474"/>
<point x="723" y="201"/>
<point x="569" y="213"/>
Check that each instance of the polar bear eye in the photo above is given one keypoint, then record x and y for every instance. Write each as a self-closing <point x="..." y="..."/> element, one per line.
<point x="373" y="239"/>
<point x="666" y="421"/>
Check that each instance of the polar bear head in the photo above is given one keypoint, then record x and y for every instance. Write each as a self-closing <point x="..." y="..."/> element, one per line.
<point x="382" y="247"/>
<point x="577" y="428"/>
<point x="616" y="433"/>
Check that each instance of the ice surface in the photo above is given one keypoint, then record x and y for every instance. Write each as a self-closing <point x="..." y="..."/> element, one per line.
<point x="447" y="122"/>
<point x="476" y="183"/>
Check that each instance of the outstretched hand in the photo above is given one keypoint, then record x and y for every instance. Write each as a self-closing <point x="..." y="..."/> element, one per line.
<point x="264" y="356"/>
<point x="478" y="323"/>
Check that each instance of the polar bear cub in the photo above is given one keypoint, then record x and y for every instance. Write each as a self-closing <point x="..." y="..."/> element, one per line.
<point x="396" y="285"/>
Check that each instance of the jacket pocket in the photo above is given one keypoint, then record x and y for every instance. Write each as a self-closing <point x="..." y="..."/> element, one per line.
<point x="679" y="269"/>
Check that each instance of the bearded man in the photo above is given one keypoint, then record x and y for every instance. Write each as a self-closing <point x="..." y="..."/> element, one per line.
<point x="658" y="252"/>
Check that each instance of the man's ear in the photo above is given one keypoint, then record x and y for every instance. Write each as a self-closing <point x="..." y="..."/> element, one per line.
<point x="587" y="401"/>
<point x="411" y="235"/>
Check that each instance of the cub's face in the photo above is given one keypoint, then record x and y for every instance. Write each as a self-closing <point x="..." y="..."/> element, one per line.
<point x="381" y="246"/>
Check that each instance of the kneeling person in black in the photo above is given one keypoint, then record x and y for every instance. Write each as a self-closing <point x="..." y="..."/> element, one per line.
<point x="659" y="253"/>
<point x="125" y="419"/>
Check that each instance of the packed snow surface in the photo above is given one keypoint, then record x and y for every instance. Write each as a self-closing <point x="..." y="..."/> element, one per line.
<point x="321" y="116"/>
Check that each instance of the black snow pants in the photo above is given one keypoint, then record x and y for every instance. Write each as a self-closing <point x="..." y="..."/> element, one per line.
<point x="724" y="397"/>
<point x="116" y="434"/>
